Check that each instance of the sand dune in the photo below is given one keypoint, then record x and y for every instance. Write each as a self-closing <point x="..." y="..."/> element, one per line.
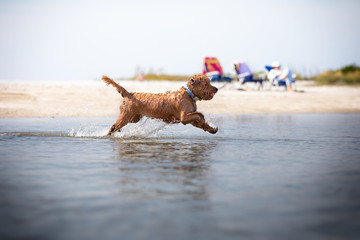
<point x="41" y="99"/>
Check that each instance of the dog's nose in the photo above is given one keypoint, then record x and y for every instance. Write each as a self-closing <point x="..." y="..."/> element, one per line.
<point x="216" y="89"/>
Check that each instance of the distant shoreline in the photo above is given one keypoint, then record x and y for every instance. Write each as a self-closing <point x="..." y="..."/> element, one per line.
<point x="22" y="99"/>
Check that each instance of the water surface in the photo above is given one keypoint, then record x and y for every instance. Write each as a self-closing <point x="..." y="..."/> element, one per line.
<point x="259" y="177"/>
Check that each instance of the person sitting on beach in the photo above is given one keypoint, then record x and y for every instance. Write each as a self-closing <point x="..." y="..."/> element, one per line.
<point x="284" y="76"/>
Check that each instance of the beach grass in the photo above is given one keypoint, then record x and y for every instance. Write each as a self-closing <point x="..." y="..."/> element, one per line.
<point x="165" y="77"/>
<point x="348" y="75"/>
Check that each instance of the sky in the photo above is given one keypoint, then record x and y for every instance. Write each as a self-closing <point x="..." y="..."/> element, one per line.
<point x="83" y="40"/>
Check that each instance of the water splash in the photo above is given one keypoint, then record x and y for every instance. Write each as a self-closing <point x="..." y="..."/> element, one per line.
<point x="88" y="131"/>
<point x="144" y="128"/>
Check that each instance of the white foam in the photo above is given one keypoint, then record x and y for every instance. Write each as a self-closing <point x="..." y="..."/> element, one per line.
<point x="144" y="128"/>
<point x="88" y="131"/>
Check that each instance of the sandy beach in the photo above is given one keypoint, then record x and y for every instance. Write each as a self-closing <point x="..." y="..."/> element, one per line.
<point x="94" y="98"/>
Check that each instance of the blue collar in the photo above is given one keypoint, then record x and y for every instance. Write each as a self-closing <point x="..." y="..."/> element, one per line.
<point x="191" y="94"/>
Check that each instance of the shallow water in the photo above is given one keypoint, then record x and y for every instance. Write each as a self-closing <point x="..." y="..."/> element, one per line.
<point x="259" y="177"/>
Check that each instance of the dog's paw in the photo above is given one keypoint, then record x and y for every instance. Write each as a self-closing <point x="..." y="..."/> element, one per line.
<point x="213" y="130"/>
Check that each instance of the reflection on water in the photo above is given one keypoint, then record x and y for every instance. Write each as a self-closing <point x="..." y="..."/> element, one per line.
<point x="259" y="177"/>
<point x="174" y="168"/>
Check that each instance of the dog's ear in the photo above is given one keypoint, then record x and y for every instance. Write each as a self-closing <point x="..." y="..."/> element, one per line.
<point x="195" y="80"/>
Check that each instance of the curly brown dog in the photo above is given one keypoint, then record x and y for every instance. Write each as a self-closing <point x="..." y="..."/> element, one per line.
<point x="171" y="107"/>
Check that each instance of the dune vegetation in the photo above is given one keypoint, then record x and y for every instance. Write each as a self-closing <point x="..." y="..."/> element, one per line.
<point x="349" y="75"/>
<point x="167" y="77"/>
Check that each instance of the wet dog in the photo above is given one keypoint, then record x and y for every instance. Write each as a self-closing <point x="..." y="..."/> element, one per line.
<point x="172" y="107"/>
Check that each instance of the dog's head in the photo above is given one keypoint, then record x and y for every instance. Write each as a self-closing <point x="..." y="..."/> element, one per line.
<point x="200" y="86"/>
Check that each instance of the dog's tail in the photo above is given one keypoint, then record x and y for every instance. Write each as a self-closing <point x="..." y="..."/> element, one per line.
<point x="119" y="88"/>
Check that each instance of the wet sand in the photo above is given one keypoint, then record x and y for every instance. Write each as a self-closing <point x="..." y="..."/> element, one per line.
<point x="94" y="98"/>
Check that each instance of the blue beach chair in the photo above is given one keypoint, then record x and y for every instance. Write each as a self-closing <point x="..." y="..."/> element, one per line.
<point x="280" y="82"/>
<point x="275" y="81"/>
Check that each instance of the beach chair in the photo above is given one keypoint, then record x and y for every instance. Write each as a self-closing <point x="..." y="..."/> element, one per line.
<point x="244" y="75"/>
<point x="275" y="82"/>
<point x="213" y="69"/>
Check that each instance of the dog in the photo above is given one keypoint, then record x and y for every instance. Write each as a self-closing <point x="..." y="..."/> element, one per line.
<point x="171" y="107"/>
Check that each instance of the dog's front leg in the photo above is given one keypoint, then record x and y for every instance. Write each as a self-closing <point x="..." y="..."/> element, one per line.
<point x="197" y="119"/>
<point x="205" y="126"/>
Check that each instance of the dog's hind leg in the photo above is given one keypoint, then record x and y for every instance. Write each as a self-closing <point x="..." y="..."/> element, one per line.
<point x="120" y="123"/>
<point x="116" y="127"/>
<point x="123" y="120"/>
